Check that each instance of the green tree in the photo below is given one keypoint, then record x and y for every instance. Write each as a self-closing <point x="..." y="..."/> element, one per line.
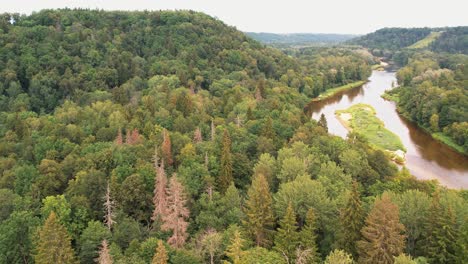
<point x="352" y="220"/>
<point x="439" y="244"/>
<point x="54" y="244"/>
<point x="323" y="122"/>
<point x="382" y="237"/>
<point x="287" y="237"/>
<point x="308" y="238"/>
<point x="259" y="215"/>
<point x="90" y="241"/>
<point x="225" y="178"/>
<point x="15" y="237"/>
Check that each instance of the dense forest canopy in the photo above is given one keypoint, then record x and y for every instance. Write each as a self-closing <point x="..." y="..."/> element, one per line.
<point x="389" y="40"/>
<point x="169" y="137"/>
<point x="433" y="77"/>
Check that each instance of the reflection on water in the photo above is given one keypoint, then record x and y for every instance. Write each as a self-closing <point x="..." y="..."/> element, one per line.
<point x="426" y="158"/>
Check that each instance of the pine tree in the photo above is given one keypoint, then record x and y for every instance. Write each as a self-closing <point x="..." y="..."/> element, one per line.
<point x="109" y="208"/>
<point x="54" y="243"/>
<point x="104" y="254"/>
<point x="161" y="256"/>
<point x="177" y="213"/>
<point x="119" y="138"/>
<point x="382" y="237"/>
<point x="308" y="238"/>
<point x="323" y="122"/>
<point x="234" y="251"/>
<point x="260" y="219"/>
<point x="160" y="196"/>
<point x="352" y="220"/>
<point x="197" y="136"/>
<point x="225" y="177"/>
<point x="286" y="239"/>
<point x="167" y="148"/>
<point x="439" y="241"/>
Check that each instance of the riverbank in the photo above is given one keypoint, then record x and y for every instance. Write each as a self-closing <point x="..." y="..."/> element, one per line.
<point x="331" y="92"/>
<point x="361" y="118"/>
<point x="439" y="136"/>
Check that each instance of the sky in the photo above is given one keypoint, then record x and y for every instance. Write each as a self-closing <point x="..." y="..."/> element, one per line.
<point x="291" y="16"/>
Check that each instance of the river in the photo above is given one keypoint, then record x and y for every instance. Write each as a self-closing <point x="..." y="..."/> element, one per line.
<point x="426" y="158"/>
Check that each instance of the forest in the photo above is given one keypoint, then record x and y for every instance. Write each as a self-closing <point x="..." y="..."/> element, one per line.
<point x="170" y="137"/>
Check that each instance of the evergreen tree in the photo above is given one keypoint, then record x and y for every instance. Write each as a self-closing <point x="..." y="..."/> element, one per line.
<point x="308" y="238"/>
<point x="235" y="249"/>
<point x="352" y="220"/>
<point x="177" y="213"/>
<point x="439" y="243"/>
<point x="286" y="239"/>
<point x="260" y="219"/>
<point x="323" y="122"/>
<point x="104" y="254"/>
<point x="54" y="243"/>
<point x="161" y="256"/>
<point x="225" y="177"/>
<point x="382" y="237"/>
<point x="166" y="148"/>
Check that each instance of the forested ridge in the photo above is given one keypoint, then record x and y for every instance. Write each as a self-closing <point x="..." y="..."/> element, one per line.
<point x="169" y="137"/>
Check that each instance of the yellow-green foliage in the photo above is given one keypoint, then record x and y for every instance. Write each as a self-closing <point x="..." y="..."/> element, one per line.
<point x="423" y="43"/>
<point x="365" y="122"/>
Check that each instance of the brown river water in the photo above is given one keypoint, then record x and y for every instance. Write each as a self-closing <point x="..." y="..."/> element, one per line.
<point x="426" y="158"/>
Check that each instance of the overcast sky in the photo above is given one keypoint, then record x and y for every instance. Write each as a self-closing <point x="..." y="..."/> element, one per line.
<point x="313" y="16"/>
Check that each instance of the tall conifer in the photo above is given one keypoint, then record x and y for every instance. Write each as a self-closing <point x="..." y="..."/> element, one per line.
<point x="260" y="219"/>
<point x="352" y="220"/>
<point x="286" y="239"/>
<point x="54" y="243"/>
<point x="382" y="237"/>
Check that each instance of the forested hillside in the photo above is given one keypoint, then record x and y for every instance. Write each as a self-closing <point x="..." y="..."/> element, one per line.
<point x="434" y="94"/>
<point x="169" y="137"/>
<point x="386" y="41"/>
<point x="299" y="38"/>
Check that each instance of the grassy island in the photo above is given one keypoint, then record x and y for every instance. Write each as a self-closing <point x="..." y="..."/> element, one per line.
<point x="361" y="119"/>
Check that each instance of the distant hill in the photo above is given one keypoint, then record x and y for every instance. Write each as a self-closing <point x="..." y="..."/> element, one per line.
<point x="450" y="39"/>
<point x="300" y="38"/>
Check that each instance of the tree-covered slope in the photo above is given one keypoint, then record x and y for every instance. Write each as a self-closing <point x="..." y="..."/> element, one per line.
<point x="299" y="38"/>
<point x="449" y="39"/>
<point x="53" y="55"/>
<point x="168" y="137"/>
<point x="391" y="38"/>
